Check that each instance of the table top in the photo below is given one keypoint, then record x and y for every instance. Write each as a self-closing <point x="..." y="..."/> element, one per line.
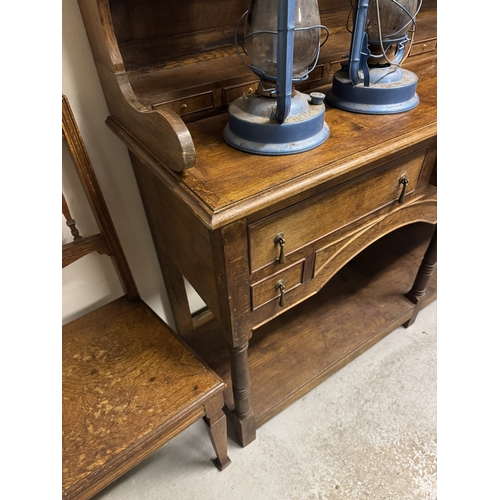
<point x="228" y="183"/>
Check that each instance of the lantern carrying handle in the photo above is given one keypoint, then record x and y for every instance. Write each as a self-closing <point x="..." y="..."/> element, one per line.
<point x="401" y="52"/>
<point x="359" y="53"/>
<point x="284" y="63"/>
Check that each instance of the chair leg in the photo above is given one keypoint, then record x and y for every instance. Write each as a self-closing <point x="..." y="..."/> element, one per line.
<point x="422" y="279"/>
<point x="217" y="430"/>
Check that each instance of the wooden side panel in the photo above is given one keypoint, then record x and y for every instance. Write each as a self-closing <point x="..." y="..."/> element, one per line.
<point x="178" y="234"/>
<point x="100" y="32"/>
<point x="162" y="132"/>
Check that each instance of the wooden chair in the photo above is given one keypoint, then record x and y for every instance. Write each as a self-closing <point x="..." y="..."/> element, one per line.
<point x="129" y="384"/>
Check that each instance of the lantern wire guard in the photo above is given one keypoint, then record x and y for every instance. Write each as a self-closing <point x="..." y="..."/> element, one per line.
<point x="371" y="81"/>
<point x="277" y="119"/>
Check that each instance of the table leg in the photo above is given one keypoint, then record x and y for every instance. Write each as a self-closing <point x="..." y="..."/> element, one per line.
<point x="244" y="419"/>
<point x="176" y="291"/>
<point x="217" y="430"/>
<point x="422" y="279"/>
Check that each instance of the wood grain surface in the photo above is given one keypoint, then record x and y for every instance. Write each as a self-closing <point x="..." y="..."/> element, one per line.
<point x="126" y="379"/>
<point x="214" y="211"/>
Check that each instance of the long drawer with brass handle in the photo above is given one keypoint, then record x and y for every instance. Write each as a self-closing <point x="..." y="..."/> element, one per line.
<point x="274" y="238"/>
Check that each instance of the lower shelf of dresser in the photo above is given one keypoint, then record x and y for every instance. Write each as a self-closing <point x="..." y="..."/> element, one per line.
<point x="298" y="350"/>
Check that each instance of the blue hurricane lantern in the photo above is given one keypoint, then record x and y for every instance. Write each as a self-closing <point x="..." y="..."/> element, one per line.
<point x="282" y="41"/>
<point x="372" y="81"/>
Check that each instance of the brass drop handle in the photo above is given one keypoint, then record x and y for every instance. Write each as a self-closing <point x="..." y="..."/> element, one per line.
<point x="403" y="180"/>
<point x="281" y="287"/>
<point x="279" y="239"/>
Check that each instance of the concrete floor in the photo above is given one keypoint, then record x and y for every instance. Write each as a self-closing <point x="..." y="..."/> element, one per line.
<point x="368" y="432"/>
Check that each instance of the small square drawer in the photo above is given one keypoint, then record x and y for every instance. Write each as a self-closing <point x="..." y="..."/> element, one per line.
<point x="323" y="214"/>
<point x="191" y="104"/>
<point x="267" y="290"/>
<point x="423" y="47"/>
<point x="232" y="93"/>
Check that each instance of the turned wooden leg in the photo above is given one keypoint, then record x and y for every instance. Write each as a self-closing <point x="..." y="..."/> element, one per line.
<point x="217" y="430"/>
<point x="424" y="273"/>
<point x="244" y="419"/>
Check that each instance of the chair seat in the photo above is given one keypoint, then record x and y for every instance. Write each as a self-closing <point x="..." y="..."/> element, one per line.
<point x="129" y="385"/>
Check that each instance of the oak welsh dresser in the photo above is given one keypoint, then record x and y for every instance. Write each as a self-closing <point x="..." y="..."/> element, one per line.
<point x="358" y="253"/>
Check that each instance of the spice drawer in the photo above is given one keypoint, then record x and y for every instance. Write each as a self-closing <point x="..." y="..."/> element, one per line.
<point x="191" y="104"/>
<point x="312" y="219"/>
<point x="235" y="91"/>
<point x="276" y="286"/>
<point x="423" y="47"/>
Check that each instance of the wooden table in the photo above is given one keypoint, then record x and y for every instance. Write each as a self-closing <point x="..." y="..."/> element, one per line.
<point x="352" y="247"/>
<point x="216" y="224"/>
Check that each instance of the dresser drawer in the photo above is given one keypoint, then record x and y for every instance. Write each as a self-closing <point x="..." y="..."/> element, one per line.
<point x="235" y="91"/>
<point x="267" y="290"/>
<point x="423" y="47"/>
<point x="316" y="217"/>
<point x="191" y="104"/>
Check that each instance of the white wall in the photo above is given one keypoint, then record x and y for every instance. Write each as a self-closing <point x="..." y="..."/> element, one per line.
<point x="92" y="281"/>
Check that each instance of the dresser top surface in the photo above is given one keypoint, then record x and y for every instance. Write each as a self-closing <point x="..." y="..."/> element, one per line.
<point x="228" y="183"/>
